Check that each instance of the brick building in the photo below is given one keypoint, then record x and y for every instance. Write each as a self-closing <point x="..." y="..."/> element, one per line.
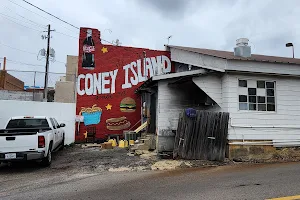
<point x="9" y="82"/>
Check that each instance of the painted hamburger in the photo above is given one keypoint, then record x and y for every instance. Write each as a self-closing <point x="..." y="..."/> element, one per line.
<point x="115" y="124"/>
<point x="127" y="105"/>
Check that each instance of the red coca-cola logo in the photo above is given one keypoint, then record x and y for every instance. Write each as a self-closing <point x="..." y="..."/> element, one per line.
<point x="88" y="49"/>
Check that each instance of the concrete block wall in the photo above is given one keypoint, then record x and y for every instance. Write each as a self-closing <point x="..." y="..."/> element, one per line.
<point x="64" y="92"/>
<point x="20" y="95"/>
<point x="72" y="68"/>
<point x="251" y="152"/>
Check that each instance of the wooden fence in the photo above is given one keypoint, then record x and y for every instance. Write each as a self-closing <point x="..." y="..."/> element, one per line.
<point x="202" y="136"/>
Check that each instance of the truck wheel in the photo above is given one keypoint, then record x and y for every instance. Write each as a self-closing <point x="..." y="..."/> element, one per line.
<point x="48" y="159"/>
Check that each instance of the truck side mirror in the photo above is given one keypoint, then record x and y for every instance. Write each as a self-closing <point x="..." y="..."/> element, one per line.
<point x="62" y="125"/>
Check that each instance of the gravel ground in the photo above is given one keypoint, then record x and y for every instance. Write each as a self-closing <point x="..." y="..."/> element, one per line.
<point x="76" y="159"/>
<point x="73" y="163"/>
<point x="94" y="159"/>
<point x="76" y="163"/>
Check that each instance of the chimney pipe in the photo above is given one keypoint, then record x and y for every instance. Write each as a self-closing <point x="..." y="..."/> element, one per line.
<point x="242" y="49"/>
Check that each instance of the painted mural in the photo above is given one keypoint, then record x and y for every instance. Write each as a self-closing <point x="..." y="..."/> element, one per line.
<point x="108" y="76"/>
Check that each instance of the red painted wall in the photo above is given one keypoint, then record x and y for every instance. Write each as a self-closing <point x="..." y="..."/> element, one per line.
<point x="101" y="84"/>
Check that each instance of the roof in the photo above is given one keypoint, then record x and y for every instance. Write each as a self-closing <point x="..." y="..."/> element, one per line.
<point x="178" y="74"/>
<point x="187" y="74"/>
<point x="230" y="56"/>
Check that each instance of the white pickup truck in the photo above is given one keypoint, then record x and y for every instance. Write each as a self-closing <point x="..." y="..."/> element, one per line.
<point x="31" y="138"/>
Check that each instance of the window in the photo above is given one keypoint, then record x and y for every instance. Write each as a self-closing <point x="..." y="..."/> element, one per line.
<point x="28" y="123"/>
<point x="243" y="98"/>
<point x="259" y="96"/>
<point x="53" y="124"/>
<point x="242" y="83"/>
<point x="261" y="84"/>
<point x="56" y="124"/>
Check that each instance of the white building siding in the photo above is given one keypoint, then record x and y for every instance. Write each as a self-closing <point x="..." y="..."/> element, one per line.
<point x="212" y="86"/>
<point x="170" y="104"/>
<point x="263" y="67"/>
<point x="262" y="125"/>
<point x="199" y="60"/>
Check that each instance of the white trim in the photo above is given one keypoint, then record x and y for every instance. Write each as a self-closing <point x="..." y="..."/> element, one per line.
<point x="178" y="74"/>
<point x="281" y="69"/>
<point x="197" y="65"/>
<point x="265" y="126"/>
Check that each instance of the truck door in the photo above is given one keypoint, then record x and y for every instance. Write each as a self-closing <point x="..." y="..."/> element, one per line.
<point x="56" y="136"/>
<point x="59" y="131"/>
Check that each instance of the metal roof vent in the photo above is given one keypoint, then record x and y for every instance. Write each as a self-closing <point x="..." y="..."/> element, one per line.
<point x="242" y="49"/>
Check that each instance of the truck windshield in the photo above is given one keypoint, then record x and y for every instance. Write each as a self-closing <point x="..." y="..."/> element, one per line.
<point x="27" y="123"/>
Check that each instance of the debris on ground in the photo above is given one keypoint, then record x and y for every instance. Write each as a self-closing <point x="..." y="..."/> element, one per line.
<point x="287" y="154"/>
<point x="120" y="169"/>
<point x="167" y="165"/>
<point x="175" y="164"/>
<point x="291" y="154"/>
<point x="91" y="145"/>
<point x="92" y="159"/>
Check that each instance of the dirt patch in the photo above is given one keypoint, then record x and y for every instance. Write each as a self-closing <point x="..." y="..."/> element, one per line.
<point x="279" y="155"/>
<point x="97" y="160"/>
<point x="93" y="160"/>
<point x="166" y="165"/>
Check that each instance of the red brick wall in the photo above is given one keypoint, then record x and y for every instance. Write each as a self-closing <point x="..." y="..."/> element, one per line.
<point x="9" y="82"/>
<point x="103" y="86"/>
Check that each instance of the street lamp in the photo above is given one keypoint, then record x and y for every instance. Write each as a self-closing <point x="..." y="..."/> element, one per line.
<point x="290" y="45"/>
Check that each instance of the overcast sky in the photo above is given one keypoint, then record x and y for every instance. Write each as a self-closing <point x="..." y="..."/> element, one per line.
<point x="268" y="24"/>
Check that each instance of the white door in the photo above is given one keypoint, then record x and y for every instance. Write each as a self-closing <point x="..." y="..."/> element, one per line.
<point x="56" y="134"/>
<point x="59" y="131"/>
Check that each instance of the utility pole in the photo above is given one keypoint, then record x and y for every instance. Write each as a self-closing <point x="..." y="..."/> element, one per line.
<point x="47" y="62"/>
<point x="4" y="63"/>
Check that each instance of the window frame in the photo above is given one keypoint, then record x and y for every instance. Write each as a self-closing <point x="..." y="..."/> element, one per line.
<point x="53" y="123"/>
<point x="17" y="122"/>
<point x="266" y="96"/>
<point x="56" y="123"/>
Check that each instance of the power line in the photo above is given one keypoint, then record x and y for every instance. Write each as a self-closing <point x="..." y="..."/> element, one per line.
<point x="52" y="21"/>
<point x="66" y="35"/>
<point x="60" y="61"/>
<point x="20" y="24"/>
<point x="50" y="14"/>
<point x="28" y="52"/>
<point x="41" y="72"/>
<point x="21" y="63"/>
<point x="107" y="41"/>
<point x="37" y="14"/>
<point x="18" y="49"/>
<point x="78" y="37"/>
<point x="21" y="21"/>
<point x="56" y="18"/>
<point x="37" y="24"/>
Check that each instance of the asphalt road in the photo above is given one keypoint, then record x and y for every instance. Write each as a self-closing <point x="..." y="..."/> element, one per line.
<point x="228" y="182"/>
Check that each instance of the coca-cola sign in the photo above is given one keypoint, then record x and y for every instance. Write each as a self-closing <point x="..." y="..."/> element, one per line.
<point x="88" y="49"/>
